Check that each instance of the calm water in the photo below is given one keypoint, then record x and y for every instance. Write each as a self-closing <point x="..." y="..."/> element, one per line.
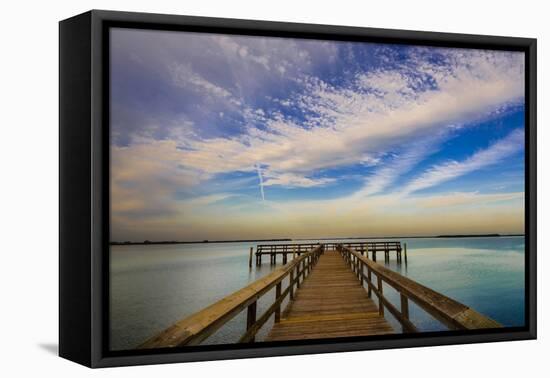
<point x="154" y="286"/>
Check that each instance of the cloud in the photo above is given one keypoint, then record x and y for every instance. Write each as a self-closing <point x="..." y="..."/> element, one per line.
<point x="344" y="124"/>
<point x="456" y="199"/>
<point x="450" y="213"/>
<point x="291" y="180"/>
<point x="295" y="114"/>
<point x="494" y="154"/>
<point x="145" y="177"/>
<point x="206" y="200"/>
<point x="401" y="163"/>
<point x="183" y="75"/>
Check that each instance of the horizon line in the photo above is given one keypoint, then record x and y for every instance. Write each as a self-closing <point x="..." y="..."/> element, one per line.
<point x="146" y="241"/>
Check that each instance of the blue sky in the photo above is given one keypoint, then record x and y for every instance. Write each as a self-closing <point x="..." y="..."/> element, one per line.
<point x="230" y="137"/>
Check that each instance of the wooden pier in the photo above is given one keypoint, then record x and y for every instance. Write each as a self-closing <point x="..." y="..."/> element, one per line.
<point x="296" y="249"/>
<point x="333" y="290"/>
<point x="331" y="303"/>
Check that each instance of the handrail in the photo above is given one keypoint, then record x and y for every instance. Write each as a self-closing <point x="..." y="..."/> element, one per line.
<point x="451" y="313"/>
<point x="197" y="327"/>
<point x="285" y="248"/>
<point x="376" y="246"/>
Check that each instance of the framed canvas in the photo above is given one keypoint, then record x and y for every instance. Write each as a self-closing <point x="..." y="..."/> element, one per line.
<point x="233" y="188"/>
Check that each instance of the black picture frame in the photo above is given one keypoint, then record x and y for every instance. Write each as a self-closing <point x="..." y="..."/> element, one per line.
<point x="84" y="186"/>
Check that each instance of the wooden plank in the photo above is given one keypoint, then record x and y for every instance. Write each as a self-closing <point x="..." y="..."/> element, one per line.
<point x="453" y="314"/>
<point x="330" y="303"/>
<point x="197" y="327"/>
<point x="253" y="328"/>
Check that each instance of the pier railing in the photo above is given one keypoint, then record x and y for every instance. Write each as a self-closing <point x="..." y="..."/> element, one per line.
<point x="283" y="249"/>
<point x="199" y="326"/>
<point x="296" y="249"/>
<point x="449" y="312"/>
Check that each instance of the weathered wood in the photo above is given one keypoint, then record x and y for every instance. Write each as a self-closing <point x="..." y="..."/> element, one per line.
<point x="380" y="290"/>
<point x="405" y="321"/>
<point x="251" y="316"/>
<point x="250" y="257"/>
<point x="251" y="331"/>
<point x="278" y="308"/>
<point x="197" y="327"/>
<point x="330" y="303"/>
<point x="404" y="305"/>
<point x="369" y="280"/>
<point x="291" y="284"/>
<point x="281" y="249"/>
<point x="451" y="313"/>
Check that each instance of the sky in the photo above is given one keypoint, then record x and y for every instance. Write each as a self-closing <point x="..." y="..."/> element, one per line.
<point x="225" y="137"/>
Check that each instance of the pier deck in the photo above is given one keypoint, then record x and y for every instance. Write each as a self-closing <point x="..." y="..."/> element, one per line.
<point x="330" y="303"/>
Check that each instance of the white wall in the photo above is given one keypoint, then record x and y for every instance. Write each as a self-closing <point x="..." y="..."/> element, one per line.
<point x="28" y="156"/>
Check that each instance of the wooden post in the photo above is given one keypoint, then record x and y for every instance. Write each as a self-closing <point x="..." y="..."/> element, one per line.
<point x="404" y="309"/>
<point x="369" y="279"/>
<point x="250" y="258"/>
<point x="278" y="309"/>
<point x="251" y="317"/>
<point x="405" y="245"/>
<point x="361" y="268"/>
<point x="291" y="283"/>
<point x="380" y="294"/>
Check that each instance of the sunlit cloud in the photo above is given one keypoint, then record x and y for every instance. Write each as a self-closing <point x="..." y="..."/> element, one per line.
<point x="346" y="123"/>
<point x="338" y="138"/>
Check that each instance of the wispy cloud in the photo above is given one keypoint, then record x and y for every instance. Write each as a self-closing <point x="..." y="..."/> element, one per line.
<point x="495" y="153"/>
<point x="291" y="180"/>
<point x="456" y="199"/>
<point x="344" y="124"/>
<point x="401" y="163"/>
<point x="183" y="75"/>
<point x="211" y="115"/>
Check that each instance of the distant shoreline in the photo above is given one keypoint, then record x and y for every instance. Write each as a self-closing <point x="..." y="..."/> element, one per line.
<point x="163" y="242"/>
